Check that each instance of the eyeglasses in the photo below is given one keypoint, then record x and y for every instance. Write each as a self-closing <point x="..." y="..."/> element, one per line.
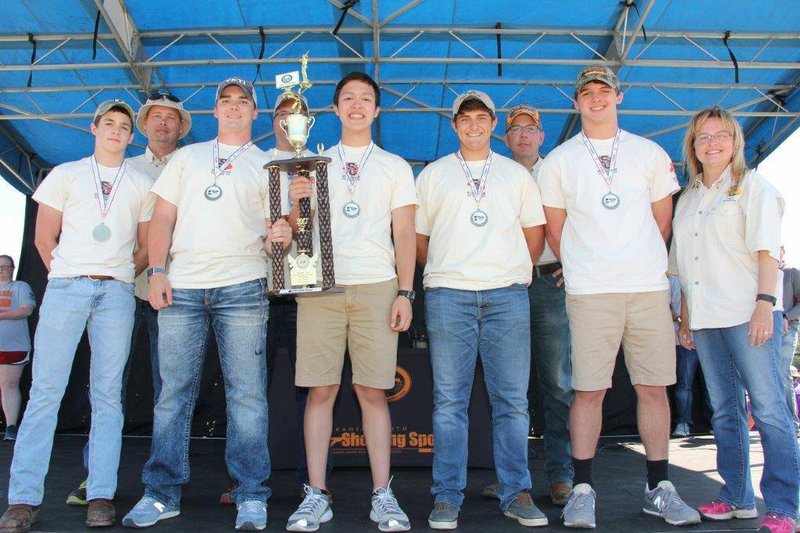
<point x="720" y="136"/>
<point x="4" y="267"/>
<point x="160" y="94"/>
<point x="517" y="130"/>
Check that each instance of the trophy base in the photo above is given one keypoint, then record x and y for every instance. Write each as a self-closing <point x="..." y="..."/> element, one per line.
<point x="305" y="291"/>
<point x="295" y="165"/>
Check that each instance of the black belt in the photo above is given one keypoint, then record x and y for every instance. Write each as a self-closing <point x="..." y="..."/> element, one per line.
<point x="97" y="277"/>
<point x="545" y="270"/>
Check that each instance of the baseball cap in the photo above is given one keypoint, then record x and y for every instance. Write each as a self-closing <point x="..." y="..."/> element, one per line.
<point x="106" y="106"/>
<point x="472" y="95"/>
<point x="596" y="73"/>
<point x="289" y="95"/>
<point x="164" y="99"/>
<point x="244" y="85"/>
<point x="523" y="109"/>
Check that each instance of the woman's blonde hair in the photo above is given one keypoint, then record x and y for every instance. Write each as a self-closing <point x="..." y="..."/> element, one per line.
<point x="738" y="165"/>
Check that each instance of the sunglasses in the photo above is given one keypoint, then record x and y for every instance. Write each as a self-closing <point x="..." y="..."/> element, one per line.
<point x="160" y="94"/>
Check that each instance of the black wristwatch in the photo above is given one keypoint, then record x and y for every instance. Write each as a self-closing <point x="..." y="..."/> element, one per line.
<point x="767" y="298"/>
<point x="408" y="294"/>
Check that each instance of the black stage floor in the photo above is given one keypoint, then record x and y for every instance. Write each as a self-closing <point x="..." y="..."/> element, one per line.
<point x="619" y="476"/>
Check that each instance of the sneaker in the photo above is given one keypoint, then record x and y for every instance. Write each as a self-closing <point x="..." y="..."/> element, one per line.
<point x="681" y="430"/>
<point x="664" y="501"/>
<point x="443" y="516"/>
<point x="524" y="511"/>
<point x="147" y="512"/>
<point x="775" y="523"/>
<point x="11" y="433"/>
<point x="490" y="491"/>
<point x="78" y="496"/>
<point x="579" y="511"/>
<point x="314" y="510"/>
<point x="251" y="515"/>
<point x="226" y="498"/>
<point x="386" y="512"/>
<point x="718" y="510"/>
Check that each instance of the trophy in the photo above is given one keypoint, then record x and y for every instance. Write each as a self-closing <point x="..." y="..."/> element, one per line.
<point x="302" y="267"/>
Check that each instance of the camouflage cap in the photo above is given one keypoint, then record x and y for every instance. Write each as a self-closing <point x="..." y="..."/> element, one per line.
<point x="596" y="73"/>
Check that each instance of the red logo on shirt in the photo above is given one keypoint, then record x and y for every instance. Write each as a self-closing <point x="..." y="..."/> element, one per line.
<point x="605" y="160"/>
<point x="106" y="186"/>
<point x="352" y="169"/>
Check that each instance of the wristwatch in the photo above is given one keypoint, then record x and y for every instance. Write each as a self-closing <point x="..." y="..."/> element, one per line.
<point x="408" y="294"/>
<point x="767" y="298"/>
<point x="152" y="271"/>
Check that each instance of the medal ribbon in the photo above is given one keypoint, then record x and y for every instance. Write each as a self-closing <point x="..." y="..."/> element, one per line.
<point x="478" y="189"/>
<point x="352" y="180"/>
<point x="218" y="167"/>
<point x="105" y="206"/>
<point x="606" y="173"/>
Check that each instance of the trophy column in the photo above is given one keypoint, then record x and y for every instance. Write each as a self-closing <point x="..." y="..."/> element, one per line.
<point x="305" y="224"/>
<point x="278" y="280"/>
<point x="325" y="240"/>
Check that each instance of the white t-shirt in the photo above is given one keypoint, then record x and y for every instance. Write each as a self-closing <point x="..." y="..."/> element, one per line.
<point x="548" y="256"/>
<point x="715" y="243"/>
<point x="462" y="255"/>
<point x="216" y="243"/>
<point x="362" y="246"/>
<point x="70" y="188"/>
<point x="151" y="166"/>
<point x="610" y="250"/>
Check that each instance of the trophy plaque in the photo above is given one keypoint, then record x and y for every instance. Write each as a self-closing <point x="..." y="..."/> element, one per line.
<point x="303" y="266"/>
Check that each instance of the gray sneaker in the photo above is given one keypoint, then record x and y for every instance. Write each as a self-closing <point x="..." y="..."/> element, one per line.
<point x="251" y="515"/>
<point x="524" y="511"/>
<point x="443" y="516"/>
<point x="147" y="512"/>
<point x="386" y="512"/>
<point x="664" y="501"/>
<point x="579" y="511"/>
<point x="314" y="510"/>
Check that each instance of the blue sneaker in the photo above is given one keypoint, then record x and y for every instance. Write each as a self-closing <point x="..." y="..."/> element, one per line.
<point x="147" y="512"/>
<point x="251" y="515"/>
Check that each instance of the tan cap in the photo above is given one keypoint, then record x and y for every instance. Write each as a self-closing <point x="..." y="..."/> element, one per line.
<point x="164" y="99"/>
<point x="523" y="109"/>
<point x="473" y="95"/>
<point x="106" y="106"/>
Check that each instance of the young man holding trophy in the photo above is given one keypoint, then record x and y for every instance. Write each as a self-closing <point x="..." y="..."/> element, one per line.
<point x="219" y="278"/>
<point x="372" y="224"/>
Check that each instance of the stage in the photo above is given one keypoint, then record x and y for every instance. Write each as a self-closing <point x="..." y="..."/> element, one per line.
<point x="619" y="478"/>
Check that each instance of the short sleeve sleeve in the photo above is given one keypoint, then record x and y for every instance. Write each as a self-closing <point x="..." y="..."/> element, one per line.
<point x="53" y="191"/>
<point x="550" y="184"/>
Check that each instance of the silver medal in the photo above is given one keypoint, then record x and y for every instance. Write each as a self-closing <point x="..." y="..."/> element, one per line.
<point x="101" y="233"/>
<point x="213" y="192"/>
<point x="479" y="218"/>
<point x="351" y="209"/>
<point x="610" y="200"/>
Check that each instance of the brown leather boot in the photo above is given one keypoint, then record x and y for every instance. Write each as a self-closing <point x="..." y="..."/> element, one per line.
<point x="559" y="492"/>
<point x="100" y="513"/>
<point x="19" y="518"/>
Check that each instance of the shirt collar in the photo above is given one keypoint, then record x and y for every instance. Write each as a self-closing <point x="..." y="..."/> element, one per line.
<point x="155" y="161"/>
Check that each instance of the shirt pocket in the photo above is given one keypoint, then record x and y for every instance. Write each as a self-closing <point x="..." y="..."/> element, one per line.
<point x="727" y="222"/>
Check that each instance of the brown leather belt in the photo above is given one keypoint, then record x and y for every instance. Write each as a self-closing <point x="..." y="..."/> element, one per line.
<point x="97" y="277"/>
<point x="545" y="270"/>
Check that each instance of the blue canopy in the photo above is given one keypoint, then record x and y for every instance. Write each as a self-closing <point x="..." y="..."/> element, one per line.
<point x="60" y="58"/>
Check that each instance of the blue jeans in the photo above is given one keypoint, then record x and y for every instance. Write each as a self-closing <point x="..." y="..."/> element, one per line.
<point x="686" y="372"/>
<point x="238" y="314"/>
<point x="144" y="313"/>
<point x="731" y="366"/>
<point x="550" y="348"/>
<point x="495" y="324"/>
<point x="788" y="347"/>
<point x="105" y="309"/>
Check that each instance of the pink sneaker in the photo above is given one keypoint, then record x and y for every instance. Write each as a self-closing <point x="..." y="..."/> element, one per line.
<point x="774" y="523"/>
<point x="718" y="510"/>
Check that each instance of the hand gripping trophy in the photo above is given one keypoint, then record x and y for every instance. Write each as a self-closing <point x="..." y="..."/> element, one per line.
<point x="303" y="266"/>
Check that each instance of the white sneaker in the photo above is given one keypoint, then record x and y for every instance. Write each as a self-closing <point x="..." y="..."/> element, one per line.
<point x="386" y="512"/>
<point x="314" y="510"/>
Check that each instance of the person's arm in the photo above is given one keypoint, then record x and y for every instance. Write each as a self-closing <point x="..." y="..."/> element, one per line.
<point x="280" y="232"/>
<point x="555" y="226"/>
<point x="534" y="237"/>
<point x="159" y="240"/>
<point x="662" y="213"/>
<point x="792" y="311"/>
<point x="23" y="311"/>
<point x="761" y="323"/>
<point x="48" y="228"/>
<point x="404" y="236"/>
<point x="684" y="333"/>
<point x="422" y="249"/>
<point x="140" y="258"/>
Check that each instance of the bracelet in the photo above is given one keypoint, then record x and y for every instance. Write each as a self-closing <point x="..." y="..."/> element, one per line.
<point x="767" y="298"/>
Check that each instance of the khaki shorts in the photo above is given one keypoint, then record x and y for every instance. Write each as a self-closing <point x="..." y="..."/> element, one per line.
<point x="640" y="321"/>
<point x="357" y="318"/>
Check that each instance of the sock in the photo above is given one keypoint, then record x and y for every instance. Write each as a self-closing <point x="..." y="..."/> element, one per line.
<point x="583" y="470"/>
<point x="656" y="473"/>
